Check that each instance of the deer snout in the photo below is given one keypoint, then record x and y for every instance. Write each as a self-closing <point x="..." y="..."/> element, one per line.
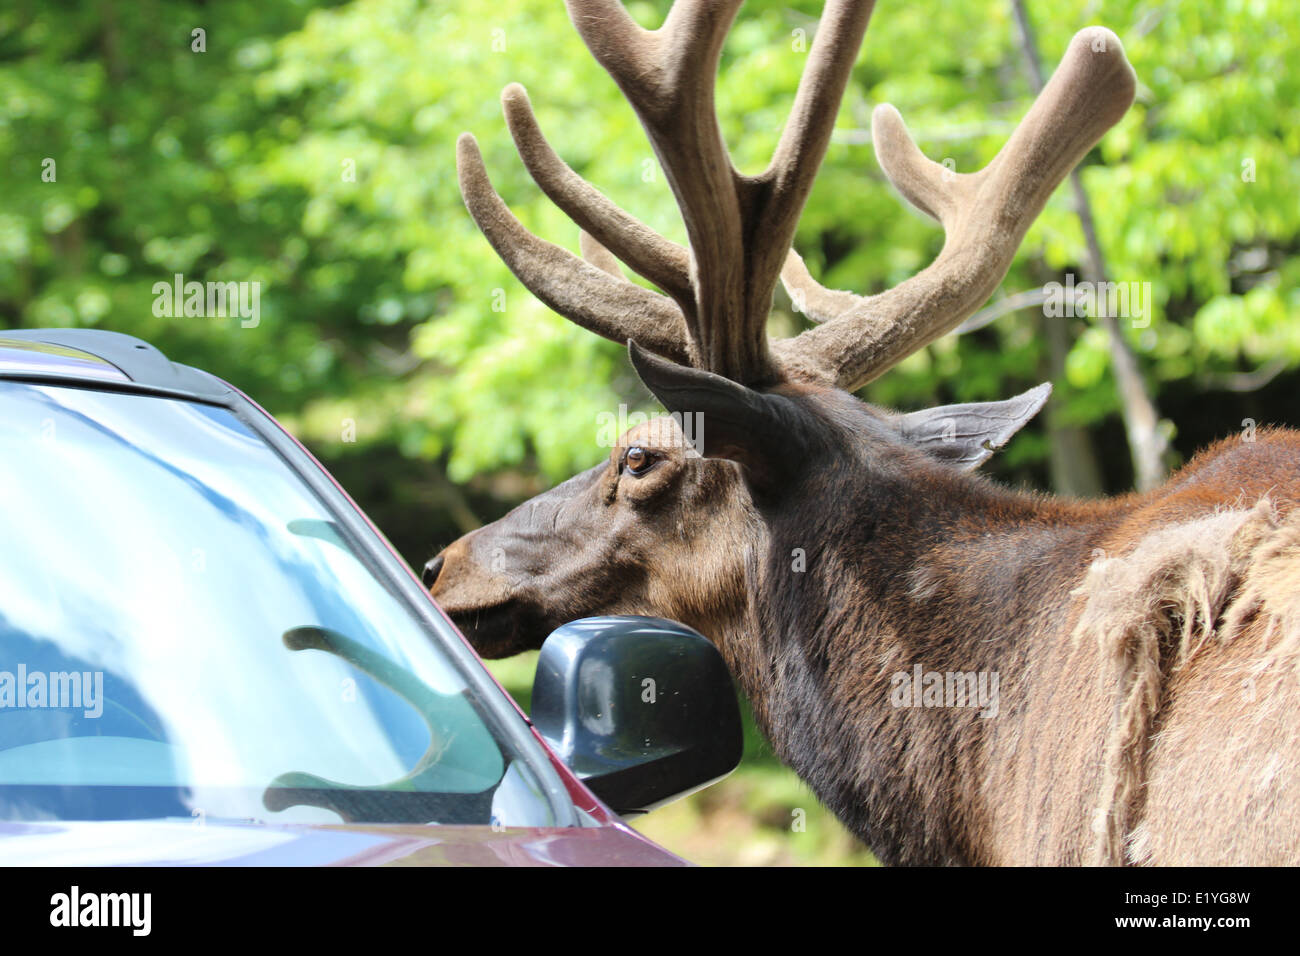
<point x="431" y="569"/>
<point x="460" y="580"/>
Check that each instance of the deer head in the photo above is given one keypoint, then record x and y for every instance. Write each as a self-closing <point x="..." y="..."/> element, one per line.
<point x="674" y="530"/>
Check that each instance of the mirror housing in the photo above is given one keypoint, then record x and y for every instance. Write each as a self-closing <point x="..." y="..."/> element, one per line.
<point x="641" y="709"/>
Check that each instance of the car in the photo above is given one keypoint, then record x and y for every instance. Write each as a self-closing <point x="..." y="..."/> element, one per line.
<point x="209" y="655"/>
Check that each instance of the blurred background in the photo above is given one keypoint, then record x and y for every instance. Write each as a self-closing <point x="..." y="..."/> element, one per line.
<point x="310" y="147"/>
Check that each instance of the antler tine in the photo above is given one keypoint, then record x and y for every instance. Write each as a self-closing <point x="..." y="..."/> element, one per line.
<point x="664" y="263"/>
<point x="789" y="178"/>
<point x="667" y="75"/>
<point x="586" y="293"/>
<point x="598" y="255"/>
<point x="985" y="215"/>
<point x="810" y="297"/>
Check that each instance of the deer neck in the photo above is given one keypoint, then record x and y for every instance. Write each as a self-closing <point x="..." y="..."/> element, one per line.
<point x="857" y="612"/>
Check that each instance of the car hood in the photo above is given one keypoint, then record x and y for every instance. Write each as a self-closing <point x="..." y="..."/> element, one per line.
<point x="183" y="843"/>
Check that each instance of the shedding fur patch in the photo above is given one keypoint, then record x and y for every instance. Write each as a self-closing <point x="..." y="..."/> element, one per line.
<point x="1271" y="595"/>
<point x="1151" y="610"/>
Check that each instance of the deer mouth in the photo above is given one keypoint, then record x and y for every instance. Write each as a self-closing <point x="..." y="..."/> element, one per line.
<point x="500" y="630"/>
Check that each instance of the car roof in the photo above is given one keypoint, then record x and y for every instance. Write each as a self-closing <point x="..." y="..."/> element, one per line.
<point x="103" y="358"/>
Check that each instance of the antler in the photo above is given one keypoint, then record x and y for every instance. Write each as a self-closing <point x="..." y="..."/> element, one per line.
<point x="717" y="292"/>
<point x="984" y="214"/>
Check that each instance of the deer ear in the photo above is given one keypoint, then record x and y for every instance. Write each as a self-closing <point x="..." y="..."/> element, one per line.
<point x="724" y="418"/>
<point x="967" y="435"/>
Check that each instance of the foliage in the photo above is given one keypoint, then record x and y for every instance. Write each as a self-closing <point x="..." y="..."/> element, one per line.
<point x="383" y="306"/>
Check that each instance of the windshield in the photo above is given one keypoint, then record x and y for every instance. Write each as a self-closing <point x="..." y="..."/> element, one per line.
<point x="186" y="631"/>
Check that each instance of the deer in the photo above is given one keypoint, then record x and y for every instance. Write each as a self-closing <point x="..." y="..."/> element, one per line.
<point x="847" y="560"/>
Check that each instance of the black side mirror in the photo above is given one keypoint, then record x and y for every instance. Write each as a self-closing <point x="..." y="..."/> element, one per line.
<point x="642" y="709"/>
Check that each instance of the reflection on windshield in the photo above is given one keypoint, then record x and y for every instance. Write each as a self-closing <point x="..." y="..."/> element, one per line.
<point x="161" y="545"/>
<point x="460" y="753"/>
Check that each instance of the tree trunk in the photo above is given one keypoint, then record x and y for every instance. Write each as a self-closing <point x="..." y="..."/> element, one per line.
<point x="1147" y="443"/>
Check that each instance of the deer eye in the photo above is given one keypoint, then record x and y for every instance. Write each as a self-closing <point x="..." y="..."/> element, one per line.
<point x="638" y="461"/>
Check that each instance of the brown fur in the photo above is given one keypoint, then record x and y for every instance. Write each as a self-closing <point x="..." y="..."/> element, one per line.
<point x="1152" y="610"/>
<point x="1122" y="632"/>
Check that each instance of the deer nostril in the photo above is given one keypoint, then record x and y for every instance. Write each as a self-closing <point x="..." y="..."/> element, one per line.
<point x="431" y="570"/>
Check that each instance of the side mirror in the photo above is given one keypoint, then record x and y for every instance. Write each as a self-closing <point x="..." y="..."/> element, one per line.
<point x="641" y="709"/>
